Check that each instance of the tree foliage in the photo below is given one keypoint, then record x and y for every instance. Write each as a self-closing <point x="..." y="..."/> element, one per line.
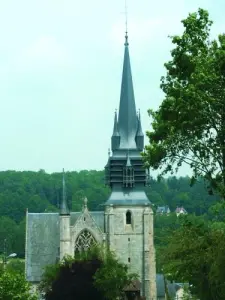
<point x="13" y="286"/>
<point x="112" y="277"/>
<point x="41" y="192"/>
<point x="96" y="274"/>
<point x="194" y="254"/>
<point x="16" y="265"/>
<point x="189" y="126"/>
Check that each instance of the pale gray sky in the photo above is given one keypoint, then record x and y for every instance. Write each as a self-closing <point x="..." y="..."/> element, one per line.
<point x="60" y="74"/>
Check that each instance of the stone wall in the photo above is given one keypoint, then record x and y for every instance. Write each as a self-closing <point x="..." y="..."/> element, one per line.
<point x="132" y="242"/>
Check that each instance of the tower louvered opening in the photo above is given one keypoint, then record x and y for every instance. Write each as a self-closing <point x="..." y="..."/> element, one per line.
<point x="128" y="176"/>
<point x="117" y="172"/>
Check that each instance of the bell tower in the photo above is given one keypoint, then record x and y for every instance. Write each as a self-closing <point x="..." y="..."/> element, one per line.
<point x="128" y="213"/>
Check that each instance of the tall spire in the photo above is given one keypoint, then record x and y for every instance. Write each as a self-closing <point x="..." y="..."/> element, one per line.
<point x="127" y="121"/>
<point x="125" y="172"/>
<point x="64" y="210"/>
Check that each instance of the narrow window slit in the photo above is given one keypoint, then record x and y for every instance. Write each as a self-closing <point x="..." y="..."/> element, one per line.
<point x="128" y="217"/>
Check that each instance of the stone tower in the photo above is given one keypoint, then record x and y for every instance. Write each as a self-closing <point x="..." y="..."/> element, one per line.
<point x="64" y="224"/>
<point x="128" y="213"/>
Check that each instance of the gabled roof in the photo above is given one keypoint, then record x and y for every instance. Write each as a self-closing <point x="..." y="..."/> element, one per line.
<point x="180" y="210"/>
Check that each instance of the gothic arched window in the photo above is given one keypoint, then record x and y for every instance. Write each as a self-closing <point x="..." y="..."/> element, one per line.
<point x="128" y="217"/>
<point x="84" y="241"/>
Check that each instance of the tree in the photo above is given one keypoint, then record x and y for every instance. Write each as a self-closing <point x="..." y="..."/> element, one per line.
<point x="13" y="286"/>
<point x="41" y="192"/>
<point x="112" y="277"/>
<point x="164" y="227"/>
<point x="194" y="254"/>
<point x="8" y="230"/>
<point x="16" y="265"/>
<point x="93" y="275"/>
<point x="75" y="281"/>
<point x="189" y="126"/>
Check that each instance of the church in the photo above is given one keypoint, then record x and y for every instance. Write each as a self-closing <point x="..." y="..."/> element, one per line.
<point x="125" y="225"/>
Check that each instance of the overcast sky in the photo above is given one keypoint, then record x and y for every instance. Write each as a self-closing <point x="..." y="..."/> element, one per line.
<point x="60" y="74"/>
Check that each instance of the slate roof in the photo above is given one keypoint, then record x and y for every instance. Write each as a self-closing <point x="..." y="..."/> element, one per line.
<point x="160" y="285"/>
<point x="163" y="209"/>
<point x="127" y="121"/>
<point x="171" y="288"/>
<point x="134" y="197"/>
<point x="42" y="240"/>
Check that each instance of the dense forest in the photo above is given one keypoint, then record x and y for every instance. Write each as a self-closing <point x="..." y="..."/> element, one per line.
<point x="41" y="192"/>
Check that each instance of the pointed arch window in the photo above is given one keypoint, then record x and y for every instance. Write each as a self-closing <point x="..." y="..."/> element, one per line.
<point x="128" y="217"/>
<point x="84" y="241"/>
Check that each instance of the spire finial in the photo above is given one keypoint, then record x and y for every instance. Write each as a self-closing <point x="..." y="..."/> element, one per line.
<point x="85" y="202"/>
<point x="126" y="26"/>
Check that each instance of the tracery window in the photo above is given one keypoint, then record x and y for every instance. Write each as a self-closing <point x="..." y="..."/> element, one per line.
<point x="84" y="241"/>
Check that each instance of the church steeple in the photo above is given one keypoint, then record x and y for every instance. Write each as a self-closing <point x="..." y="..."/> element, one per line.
<point x="64" y="210"/>
<point x="128" y="215"/>
<point x="127" y="121"/>
<point x="125" y="172"/>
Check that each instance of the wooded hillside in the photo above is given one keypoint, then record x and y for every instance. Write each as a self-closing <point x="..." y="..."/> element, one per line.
<point x="41" y="192"/>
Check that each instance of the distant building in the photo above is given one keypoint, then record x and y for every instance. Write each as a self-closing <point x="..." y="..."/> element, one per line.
<point x="162" y="210"/>
<point x="182" y="290"/>
<point x="180" y="211"/>
<point x="170" y="290"/>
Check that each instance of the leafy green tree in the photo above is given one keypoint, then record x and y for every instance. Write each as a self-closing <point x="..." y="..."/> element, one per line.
<point x="41" y="192"/>
<point x="112" y="277"/>
<point x="194" y="255"/>
<point x="13" y="286"/>
<point x="16" y="265"/>
<point x="8" y="230"/>
<point x="156" y="198"/>
<point x="164" y="227"/>
<point x="77" y="200"/>
<point x="20" y="239"/>
<point x="189" y="126"/>
<point x="95" y="274"/>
